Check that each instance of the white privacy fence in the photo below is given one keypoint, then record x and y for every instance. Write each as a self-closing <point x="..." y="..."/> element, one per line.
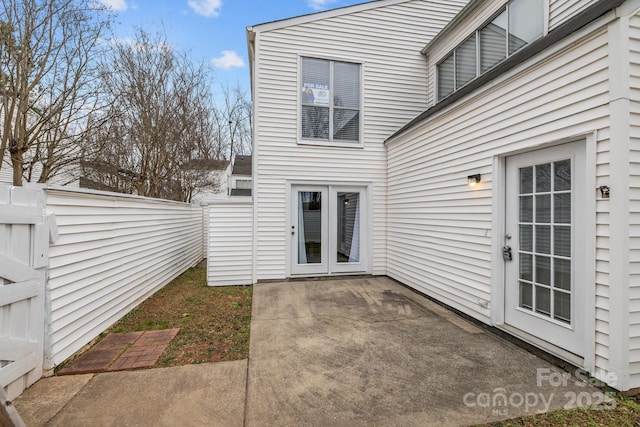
<point x="112" y="251"/>
<point x="24" y="239"/>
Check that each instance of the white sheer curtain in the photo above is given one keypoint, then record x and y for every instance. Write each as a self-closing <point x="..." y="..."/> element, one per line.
<point x="302" y="250"/>
<point x="354" y="253"/>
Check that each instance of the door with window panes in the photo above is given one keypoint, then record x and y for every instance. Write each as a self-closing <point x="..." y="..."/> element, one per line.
<point x="544" y="236"/>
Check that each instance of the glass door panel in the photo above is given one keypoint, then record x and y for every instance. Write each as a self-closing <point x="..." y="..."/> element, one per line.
<point x="348" y="227"/>
<point x="310" y="227"/>
<point x="309" y="230"/>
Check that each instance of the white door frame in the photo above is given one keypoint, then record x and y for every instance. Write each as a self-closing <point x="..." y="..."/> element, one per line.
<point x="329" y="265"/>
<point x="589" y="258"/>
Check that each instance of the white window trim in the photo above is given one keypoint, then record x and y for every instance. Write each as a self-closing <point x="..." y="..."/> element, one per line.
<point x="319" y="142"/>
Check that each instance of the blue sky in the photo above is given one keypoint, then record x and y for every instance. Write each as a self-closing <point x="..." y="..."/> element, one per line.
<point x="212" y="30"/>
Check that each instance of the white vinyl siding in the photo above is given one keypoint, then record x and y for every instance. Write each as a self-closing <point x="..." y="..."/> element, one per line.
<point x="230" y="248"/>
<point x="561" y="11"/>
<point x="386" y="40"/>
<point x="634" y="203"/>
<point x="113" y="252"/>
<point x="439" y="230"/>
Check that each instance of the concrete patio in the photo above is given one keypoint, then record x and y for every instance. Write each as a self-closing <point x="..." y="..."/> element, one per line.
<point x="363" y="351"/>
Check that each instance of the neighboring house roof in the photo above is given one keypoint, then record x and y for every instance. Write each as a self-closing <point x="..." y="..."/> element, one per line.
<point x="241" y="192"/>
<point x="206" y="164"/>
<point x="242" y="165"/>
<point x="580" y="20"/>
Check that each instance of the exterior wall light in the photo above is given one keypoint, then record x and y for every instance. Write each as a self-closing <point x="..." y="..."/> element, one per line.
<point x="472" y="180"/>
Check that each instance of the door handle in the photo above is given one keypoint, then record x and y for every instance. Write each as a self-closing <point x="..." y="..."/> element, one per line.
<point x="293" y="230"/>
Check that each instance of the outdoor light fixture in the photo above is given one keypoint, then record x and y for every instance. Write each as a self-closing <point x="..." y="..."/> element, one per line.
<point x="472" y="180"/>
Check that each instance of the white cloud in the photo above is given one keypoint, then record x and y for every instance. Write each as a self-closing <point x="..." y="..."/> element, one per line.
<point x="228" y="60"/>
<point x="207" y="8"/>
<point x="116" y="5"/>
<point x="319" y="4"/>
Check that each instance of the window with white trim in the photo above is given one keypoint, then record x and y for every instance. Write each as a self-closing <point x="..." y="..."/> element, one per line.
<point x="330" y="100"/>
<point x="517" y="24"/>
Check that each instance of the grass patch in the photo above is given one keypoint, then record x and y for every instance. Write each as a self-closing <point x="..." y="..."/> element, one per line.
<point x="214" y="321"/>
<point x="623" y="412"/>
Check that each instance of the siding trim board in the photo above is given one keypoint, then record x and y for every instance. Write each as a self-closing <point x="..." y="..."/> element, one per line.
<point x="579" y="21"/>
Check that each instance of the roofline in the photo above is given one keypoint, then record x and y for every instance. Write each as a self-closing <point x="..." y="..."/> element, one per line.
<point x="584" y="18"/>
<point x="310" y="17"/>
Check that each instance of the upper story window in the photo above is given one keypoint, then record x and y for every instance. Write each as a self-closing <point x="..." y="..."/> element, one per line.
<point x="330" y="99"/>
<point x="520" y="22"/>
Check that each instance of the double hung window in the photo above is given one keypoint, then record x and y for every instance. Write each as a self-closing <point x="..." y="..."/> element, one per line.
<point x="519" y="23"/>
<point x="330" y="100"/>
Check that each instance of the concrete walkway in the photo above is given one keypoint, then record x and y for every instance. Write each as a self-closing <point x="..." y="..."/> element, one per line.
<point x="364" y="351"/>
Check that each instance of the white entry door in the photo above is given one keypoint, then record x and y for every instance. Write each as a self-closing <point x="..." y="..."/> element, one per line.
<point x="544" y="236"/>
<point x="327" y="233"/>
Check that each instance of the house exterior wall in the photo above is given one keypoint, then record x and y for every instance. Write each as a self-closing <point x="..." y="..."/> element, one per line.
<point x="112" y="253"/>
<point x="440" y="231"/>
<point x="562" y="10"/>
<point x="633" y="98"/>
<point x="387" y="40"/>
<point x="585" y="87"/>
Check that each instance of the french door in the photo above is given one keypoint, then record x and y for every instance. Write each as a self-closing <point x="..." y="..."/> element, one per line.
<point x="544" y="245"/>
<point x="327" y="229"/>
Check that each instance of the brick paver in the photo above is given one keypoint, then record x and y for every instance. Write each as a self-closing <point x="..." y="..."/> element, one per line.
<point x="145" y="351"/>
<point x="102" y="355"/>
<point x="122" y="351"/>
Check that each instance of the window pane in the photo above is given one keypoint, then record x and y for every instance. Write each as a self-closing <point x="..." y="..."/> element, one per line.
<point x="346" y="124"/>
<point x="526" y="265"/>
<point x="445" y="77"/>
<point x="315" y="81"/>
<point x="526" y="238"/>
<point x="562" y="208"/>
<point x="562" y="240"/>
<point x="543" y="270"/>
<point x="543" y="208"/>
<point x="526" y="180"/>
<point x="526" y="208"/>
<point x="543" y="239"/>
<point x="562" y="273"/>
<point x="493" y="42"/>
<point x="526" y="297"/>
<point x="562" y="175"/>
<point x="315" y="122"/>
<point x="346" y="85"/>
<point x="466" y="62"/>
<point x="562" y="306"/>
<point x="543" y="300"/>
<point x="543" y="178"/>
<point x="526" y="22"/>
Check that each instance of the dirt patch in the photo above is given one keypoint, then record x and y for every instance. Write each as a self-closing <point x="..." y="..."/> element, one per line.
<point x="214" y="321"/>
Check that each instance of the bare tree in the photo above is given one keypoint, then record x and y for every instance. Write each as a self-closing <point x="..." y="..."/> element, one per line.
<point x="160" y="119"/>
<point x="47" y="83"/>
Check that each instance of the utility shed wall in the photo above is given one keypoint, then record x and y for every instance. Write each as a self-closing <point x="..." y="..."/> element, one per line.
<point x="440" y="230"/>
<point x="113" y="252"/>
<point x="387" y="41"/>
<point x="230" y="243"/>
